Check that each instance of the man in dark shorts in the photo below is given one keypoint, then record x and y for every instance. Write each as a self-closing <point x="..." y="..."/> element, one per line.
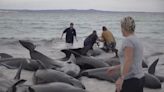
<point x="109" y="41"/>
<point x="70" y="34"/>
<point x="89" y="42"/>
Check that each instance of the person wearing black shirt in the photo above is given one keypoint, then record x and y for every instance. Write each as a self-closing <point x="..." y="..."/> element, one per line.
<point x="70" y="34"/>
<point x="89" y="42"/>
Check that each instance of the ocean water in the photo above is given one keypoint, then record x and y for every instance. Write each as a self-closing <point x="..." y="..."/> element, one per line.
<point x="44" y="28"/>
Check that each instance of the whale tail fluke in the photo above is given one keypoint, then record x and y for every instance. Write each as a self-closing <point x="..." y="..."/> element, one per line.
<point x="28" y="45"/>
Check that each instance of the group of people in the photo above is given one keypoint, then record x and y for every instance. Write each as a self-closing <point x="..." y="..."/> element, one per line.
<point x="130" y="54"/>
<point x="107" y="37"/>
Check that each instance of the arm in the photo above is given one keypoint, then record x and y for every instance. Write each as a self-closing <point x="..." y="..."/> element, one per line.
<point x="75" y="34"/>
<point x="128" y="60"/>
<point x="111" y="71"/>
<point x="63" y="33"/>
<point x="101" y="39"/>
<point x="96" y="40"/>
<point x="128" y="52"/>
<point x="97" y="43"/>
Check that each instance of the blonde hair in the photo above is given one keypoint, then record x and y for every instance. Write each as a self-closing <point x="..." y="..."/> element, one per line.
<point x="128" y="24"/>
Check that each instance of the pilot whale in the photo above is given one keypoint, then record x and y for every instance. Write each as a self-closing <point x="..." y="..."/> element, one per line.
<point x="68" y="67"/>
<point x="151" y="81"/>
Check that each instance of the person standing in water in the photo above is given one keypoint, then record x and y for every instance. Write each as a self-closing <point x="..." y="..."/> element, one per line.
<point x="130" y="55"/>
<point x="70" y="34"/>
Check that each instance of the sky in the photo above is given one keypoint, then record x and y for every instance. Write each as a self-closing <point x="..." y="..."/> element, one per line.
<point x="107" y="5"/>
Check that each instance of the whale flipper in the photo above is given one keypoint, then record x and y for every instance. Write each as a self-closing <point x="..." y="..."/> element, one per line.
<point x="4" y="55"/>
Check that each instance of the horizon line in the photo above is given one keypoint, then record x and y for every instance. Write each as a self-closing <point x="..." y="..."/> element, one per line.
<point x="79" y="10"/>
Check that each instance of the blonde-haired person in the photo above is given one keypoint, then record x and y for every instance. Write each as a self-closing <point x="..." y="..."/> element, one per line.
<point x="130" y="54"/>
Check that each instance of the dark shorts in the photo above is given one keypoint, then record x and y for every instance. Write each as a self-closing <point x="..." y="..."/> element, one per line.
<point x="133" y="85"/>
<point x="69" y="40"/>
<point x="110" y="46"/>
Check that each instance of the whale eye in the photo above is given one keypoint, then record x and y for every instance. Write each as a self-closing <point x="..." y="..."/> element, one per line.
<point x="69" y="62"/>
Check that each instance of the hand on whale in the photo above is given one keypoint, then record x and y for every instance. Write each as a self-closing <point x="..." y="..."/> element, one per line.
<point x="151" y="81"/>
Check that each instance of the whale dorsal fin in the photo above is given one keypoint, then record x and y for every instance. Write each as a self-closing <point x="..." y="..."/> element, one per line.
<point x="152" y="67"/>
<point x="17" y="76"/>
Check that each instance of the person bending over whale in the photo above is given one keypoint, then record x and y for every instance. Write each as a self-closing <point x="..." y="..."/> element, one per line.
<point x="109" y="41"/>
<point x="89" y="42"/>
